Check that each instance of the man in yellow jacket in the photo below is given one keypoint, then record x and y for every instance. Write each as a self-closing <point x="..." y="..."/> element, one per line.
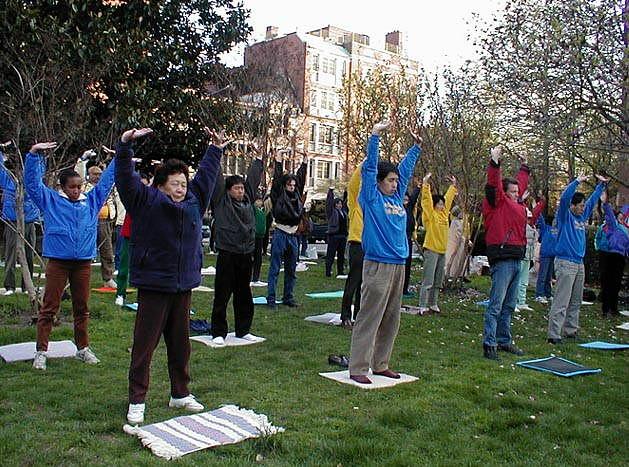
<point x="435" y="215"/>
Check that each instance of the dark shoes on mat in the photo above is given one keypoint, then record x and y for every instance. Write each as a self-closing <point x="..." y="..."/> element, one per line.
<point x="339" y="360"/>
<point x="553" y="341"/>
<point x="362" y="379"/>
<point x="387" y="373"/>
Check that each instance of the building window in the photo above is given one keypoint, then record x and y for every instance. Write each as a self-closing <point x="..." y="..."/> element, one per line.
<point x="323" y="169"/>
<point x="328" y="65"/>
<point x="315" y="62"/>
<point x="313" y="132"/>
<point x="327" y="100"/>
<point x="325" y="134"/>
<point x="313" y="99"/>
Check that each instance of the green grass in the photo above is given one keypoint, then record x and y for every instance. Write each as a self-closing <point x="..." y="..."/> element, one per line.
<point x="464" y="410"/>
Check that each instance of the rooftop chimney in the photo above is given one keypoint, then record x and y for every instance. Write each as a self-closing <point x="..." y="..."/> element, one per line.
<point x="271" y="32"/>
<point x="394" y="42"/>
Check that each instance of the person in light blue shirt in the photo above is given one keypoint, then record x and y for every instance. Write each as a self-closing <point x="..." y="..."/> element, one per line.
<point x="381" y="198"/>
<point x="572" y="217"/>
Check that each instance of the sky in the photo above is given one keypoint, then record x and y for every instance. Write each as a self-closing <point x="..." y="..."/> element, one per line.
<point x="437" y="32"/>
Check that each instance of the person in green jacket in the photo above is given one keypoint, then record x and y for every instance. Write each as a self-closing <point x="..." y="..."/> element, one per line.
<point x="260" y="215"/>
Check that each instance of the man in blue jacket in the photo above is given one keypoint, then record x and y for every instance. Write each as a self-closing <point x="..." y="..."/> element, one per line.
<point x="384" y="242"/>
<point x="70" y="219"/>
<point x="31" y="215"/>
<point x="572" y="216"/>
<point x="166" y="260"/>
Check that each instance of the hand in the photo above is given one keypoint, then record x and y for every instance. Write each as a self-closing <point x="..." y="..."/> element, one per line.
<point x="218" y="138"/>
<point x="582" y="177"/>
<point x="133" y="134"/>
<point x="378" y="128"/>
<point x="496" y="154"/>
<point x="417" y="139"/>
<point x="304" y="157"/>
<point x="601" y="178"/>
<point x="38" y="147"/>
<point x="452" y="179"/>
<point x="426" y="177"/>
<point x="604" y="197"/>
<point x="107" y="150"/>
<point x="525" y="195"/>
<point x="6" y="144"/>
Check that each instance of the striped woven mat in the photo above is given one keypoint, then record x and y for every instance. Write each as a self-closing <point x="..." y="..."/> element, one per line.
<point x="182" y="435"/>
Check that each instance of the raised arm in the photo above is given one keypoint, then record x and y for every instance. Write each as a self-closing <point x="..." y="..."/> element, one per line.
<point x="132" y="191"/>
<point x="33" y="183"/>
<point x="219" y="189"/>
<point x="610" y="218"/>
<point x="427" y="208"/>
<point x="329" y="203"/>
<point x="407" y="165"/>
<point x="353" y="188"/>
<point x="593" y="199"/>
<point x="101" y="191"/>
<point x="450" y="195"/>
<point x="278" y="173"/>
<point x="537" y="210"/>
<point x="254" y="176"/>
<point x="413" y="197"/>
<point x="5" y="176"/>
<point x="523" y="176"/>
<point x="369" y="170"/>
<point x="302" y="171"/>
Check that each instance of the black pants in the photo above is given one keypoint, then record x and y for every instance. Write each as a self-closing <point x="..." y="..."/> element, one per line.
<point x="233" y="272"/>
<point x="353" y="282"/>
<point x="267" y="233"/>
<point x="336" y="247"/>
<point x="257" y="259"/>
<point x="407" y="266"/>
<point x="612" y="266"/>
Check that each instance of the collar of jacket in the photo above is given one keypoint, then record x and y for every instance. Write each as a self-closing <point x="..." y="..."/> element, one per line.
<point x="81" y="196"/>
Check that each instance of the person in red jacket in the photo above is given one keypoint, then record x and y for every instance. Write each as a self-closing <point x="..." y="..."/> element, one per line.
<point x="505" y="236"/>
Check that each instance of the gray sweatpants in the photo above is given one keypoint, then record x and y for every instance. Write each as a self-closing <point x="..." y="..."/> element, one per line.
<point x="563" y="319"/>
<point x="434" y="270"/>
<point x="378" y="322"/>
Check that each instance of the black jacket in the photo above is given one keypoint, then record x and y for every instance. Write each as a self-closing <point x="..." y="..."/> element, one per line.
<point x="287" y="206"/>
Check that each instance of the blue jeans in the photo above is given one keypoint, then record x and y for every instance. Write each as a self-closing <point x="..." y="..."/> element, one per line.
<point x="544" y="277"/>
<point x="502" y="298"/>
<point x="284" y="247"/>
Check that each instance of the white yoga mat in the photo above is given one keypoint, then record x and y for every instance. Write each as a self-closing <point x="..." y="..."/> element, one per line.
<point x="258" y="284"/>
<point x="326" y="318"/>
<point x="182" y="435"/>
<point x="624" y="326"/>
<point x="377" y="382"/>
<point x="342" y="276"/>
<point x="26" y="351"/>
<point x="230" y="341"/>
<point x="209" y="271"/>
<point x="624" y="312"/>
<point x="587" y="303"/>
<point x="202" y="288"/>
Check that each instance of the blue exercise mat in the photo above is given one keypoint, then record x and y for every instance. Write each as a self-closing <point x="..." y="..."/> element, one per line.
<point x="484" y="303"/>
<point x="335" y="294"/>
<point x="262" y="301"/>
<point x="131" y="306"/>
<point x="558" y="366"/>
<point x="604" y="346"/>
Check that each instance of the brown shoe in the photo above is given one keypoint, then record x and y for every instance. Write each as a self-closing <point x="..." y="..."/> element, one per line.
<point x="362" y="379"/>
<point x="387" y="373"/>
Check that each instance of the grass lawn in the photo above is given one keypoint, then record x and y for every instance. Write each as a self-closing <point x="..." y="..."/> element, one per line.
<point x="464" y="410"/>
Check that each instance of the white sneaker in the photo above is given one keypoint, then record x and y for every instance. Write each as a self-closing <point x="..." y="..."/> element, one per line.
<point x="119" y="300"/>
<point x="188" y="403"/>
<point x="8" y="292"/>
<point x="249" y="337"/>
<point x="39" y="362"/>
<point x="435" y="309"/>
<point x="524" y="307"/>
<point x="218" y="340"/>
<point x="135" y="414"/>
<point x="87" y="356"/>
<point x="110" y="284"/>
<point x="259" y="284"/>
<point x="543" y="300"/>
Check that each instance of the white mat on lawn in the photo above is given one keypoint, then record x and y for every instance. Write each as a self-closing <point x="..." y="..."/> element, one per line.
<point x="182" y="435"/>
<point x="326" y="318"/>
<point x="377" y="382"/>
<point x="26" y="351"/>
<point x="258" y="284"/>
<point x="624" y="326"/>
<point x="624" y="312"/>
<point x="230" y="341"/>
<point x="209" y="271"/>
<point x="587" y="303"/>
<point x="202" y="288"/>
<point x="342" y="276"/>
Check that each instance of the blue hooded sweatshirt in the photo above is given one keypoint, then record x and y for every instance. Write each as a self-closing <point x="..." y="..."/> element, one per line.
<point x="571" y="236"/>
<point x="547" y="238"/>
<point x="7" y="185"/>
<point x="384" y="230"/>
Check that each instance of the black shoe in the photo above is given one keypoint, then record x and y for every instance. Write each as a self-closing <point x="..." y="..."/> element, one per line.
<point x="291" y="304"/>
<point x="490" y="352"/>
<point x="573" y="338"/>
<point x="328" y="274"/>
<point x="271" y="305"/>
<point x="347" y="324"/>
<point x="553" y="341"/>
<point x="338" y="360"/>
<point x="511" y="349"/>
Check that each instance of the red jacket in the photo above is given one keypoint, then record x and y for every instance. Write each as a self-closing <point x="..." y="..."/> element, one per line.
<point x="505" y="219"/>
<point x="125" y="230"/>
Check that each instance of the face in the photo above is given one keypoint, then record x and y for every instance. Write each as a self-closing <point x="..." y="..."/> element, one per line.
<point x="145" y="181"/>
<point x="406" y="200"/>
<point x="237" y="191"/>
<point x="176" y="187"/>
<point x="388" y="185"/>
<point x="513" y="191"/>
<point x="338" y="205"/>
<point x="290" y="186"/>
<point x="577" y="209"/>
<point x="72" y="188"/>
<point x="440" y="206"/>
<point x="94" y="175"/>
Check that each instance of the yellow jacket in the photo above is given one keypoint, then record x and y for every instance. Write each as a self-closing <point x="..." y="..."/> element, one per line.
<point x="355" y="211"/>
<point x="436" y="222"/>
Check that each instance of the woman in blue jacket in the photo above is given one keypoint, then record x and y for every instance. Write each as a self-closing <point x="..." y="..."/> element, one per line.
<point x="70" y="220"/>
<point x="166" y="260"/>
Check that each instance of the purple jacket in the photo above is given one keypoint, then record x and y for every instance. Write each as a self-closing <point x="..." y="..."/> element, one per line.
<point x="166" y="253"/>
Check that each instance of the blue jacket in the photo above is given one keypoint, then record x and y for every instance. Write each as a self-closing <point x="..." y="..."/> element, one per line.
<point x="612" y="236"/>
<point x="7" y="185"/>
<point x="571" y="237"/>
<point x="384" y="230"/>
<point x="69" y="226"/>
<point x="166" y="253"/>
<point x="547" y="238"/>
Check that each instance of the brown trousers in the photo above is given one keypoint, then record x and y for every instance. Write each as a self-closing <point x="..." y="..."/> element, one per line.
<point x="160" y="313"/>
<point x="58" y="272"/>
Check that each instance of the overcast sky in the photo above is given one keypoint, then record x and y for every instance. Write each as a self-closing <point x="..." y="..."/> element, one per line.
<point x="436" y="31"/>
